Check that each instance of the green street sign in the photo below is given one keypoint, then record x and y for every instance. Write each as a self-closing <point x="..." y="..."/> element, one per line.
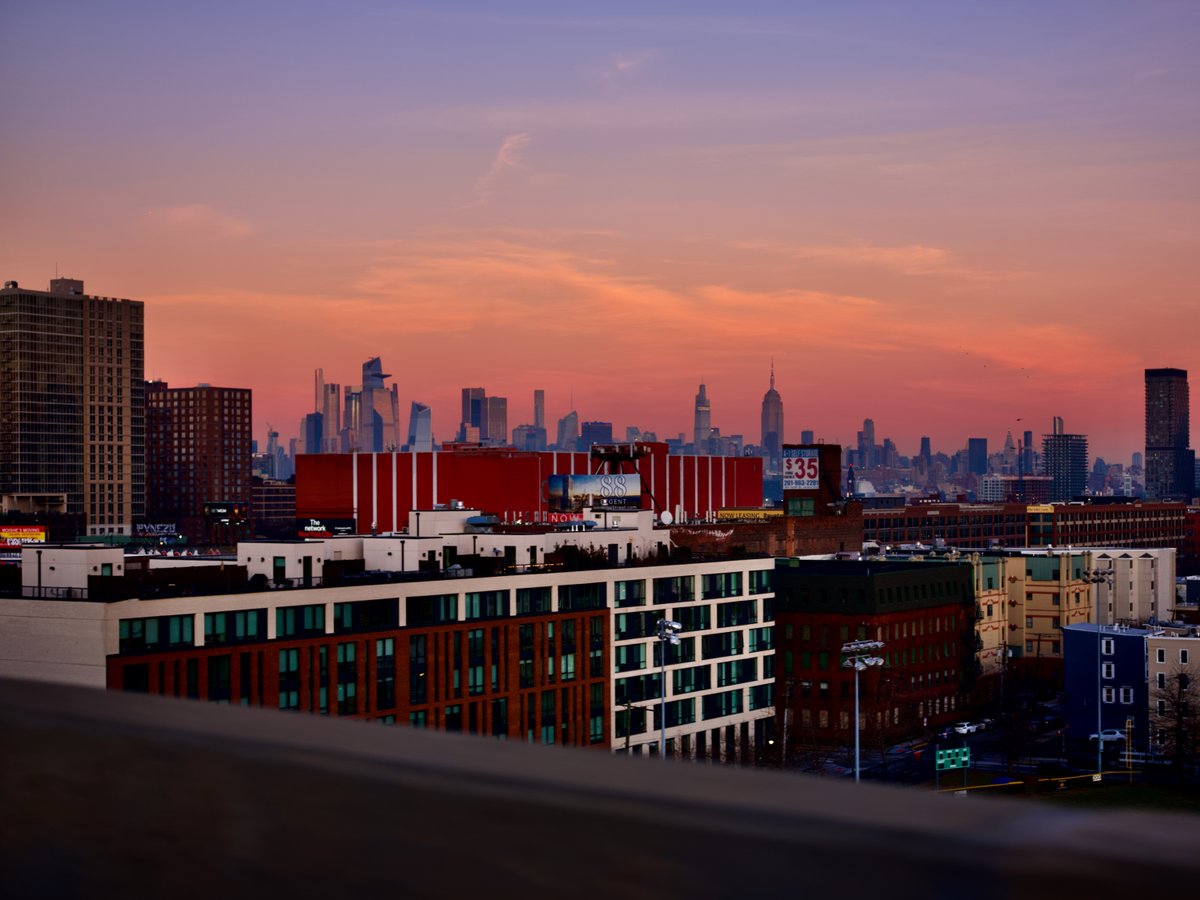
<point x="954" y="758"/>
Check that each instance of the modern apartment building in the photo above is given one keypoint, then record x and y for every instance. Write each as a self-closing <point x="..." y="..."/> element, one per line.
<point x="71" y="400"/>
<point x="459" y="628"/>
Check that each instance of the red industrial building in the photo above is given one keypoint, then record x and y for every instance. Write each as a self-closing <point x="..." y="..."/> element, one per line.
<point x="374" y="492"/>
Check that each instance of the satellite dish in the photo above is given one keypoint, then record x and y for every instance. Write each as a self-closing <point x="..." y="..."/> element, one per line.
<point x="666" y="518"/>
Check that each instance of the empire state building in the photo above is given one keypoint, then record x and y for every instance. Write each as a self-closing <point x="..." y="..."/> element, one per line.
<point x="772" y="428"/>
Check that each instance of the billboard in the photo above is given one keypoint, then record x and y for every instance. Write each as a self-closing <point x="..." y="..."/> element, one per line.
<point x="323" y="528"/>
<point x="570" y="493"/>
<point x="801" y="468"/>
<point x="16" y="535"/>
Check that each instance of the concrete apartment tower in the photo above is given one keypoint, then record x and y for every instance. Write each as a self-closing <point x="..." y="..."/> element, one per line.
<point x="72" y="404"/>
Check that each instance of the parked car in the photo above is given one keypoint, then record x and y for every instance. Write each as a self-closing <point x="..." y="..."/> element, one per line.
<point x="966" y="727"/>
<point x="1109" y="734"/>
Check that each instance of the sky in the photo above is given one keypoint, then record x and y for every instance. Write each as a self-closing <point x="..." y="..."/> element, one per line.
<point x="956" y="219"/>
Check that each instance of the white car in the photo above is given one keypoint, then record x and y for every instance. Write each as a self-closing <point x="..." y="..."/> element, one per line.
<point x="1109" y="734"/>
<point x="966" y="727"/>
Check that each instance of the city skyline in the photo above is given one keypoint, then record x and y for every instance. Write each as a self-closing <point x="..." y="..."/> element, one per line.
<point x="947" y="223"/>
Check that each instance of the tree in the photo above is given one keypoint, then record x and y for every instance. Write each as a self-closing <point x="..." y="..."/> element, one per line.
<point x="1176" y="719"/>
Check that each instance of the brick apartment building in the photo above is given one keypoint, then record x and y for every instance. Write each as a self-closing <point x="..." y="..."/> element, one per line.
<point x="923" y="612"/>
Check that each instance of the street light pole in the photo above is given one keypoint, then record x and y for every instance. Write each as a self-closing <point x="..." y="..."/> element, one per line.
<point x="668" y="634"/>
<point x="858" y="655"/>
<point x="1097" y="577"/>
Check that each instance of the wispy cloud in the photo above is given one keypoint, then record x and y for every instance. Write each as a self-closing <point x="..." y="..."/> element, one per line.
<point x="508" y="159"/>
<point x="623" y="65"/>
<point x="202" y="218"/>
<point x="904" y="259"/>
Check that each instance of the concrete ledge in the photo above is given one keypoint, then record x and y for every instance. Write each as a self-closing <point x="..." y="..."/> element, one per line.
<point x="112" y="795"/>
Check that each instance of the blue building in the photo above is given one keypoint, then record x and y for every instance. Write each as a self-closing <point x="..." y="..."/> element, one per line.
<point x="1108" y="666"/>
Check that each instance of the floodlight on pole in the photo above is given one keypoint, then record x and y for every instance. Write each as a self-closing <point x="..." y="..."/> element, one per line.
<point x="860" y="655"/>
<point x="668" y="634"/>
<point x="1096" y="577"/>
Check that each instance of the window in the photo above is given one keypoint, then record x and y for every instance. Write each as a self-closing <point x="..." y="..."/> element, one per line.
<point x="533" y="601"/>
<point x="385" y="673"/>
<point x="1126" y="695"/>
<point x="1107" y="695"/>
<point x="365" y="615"/>
<point x="1161" y="679"/>
<point x="717" y="645"/>
<point x="300" y="621"/>
<point x="1106" y="646"/>
<point x="631" y="657"/>
<point x="674" y="590"/>
<point x="724" y="704"/>
<point x="721" y="584"/>
<point x="743" y="612"/>
<point x="417" y="681"/>
<point x="760" y="581"/>
<point x="486" y="605"/>
<point x="239" y="627"/>
<point x="573" y="597"/>
<point x="737" y="671"/>
<point x="1161" y="655"/>
<point x="685" y="681"/>
<point x="1183" y="657"/>
<point x="761" y="639"/>
<point x="431" y="610"/>
<point x="629" y="593"/>
<point x="683" y="652"/>
<point x="636" y="625"/>
<point x="1029" y="621"/>
<point x="155" y="633"/>
<point x="693" y="618"/>
<point x="762" y="695"/>
<point x="636" y="689"/>
<point x="289" y="679"/>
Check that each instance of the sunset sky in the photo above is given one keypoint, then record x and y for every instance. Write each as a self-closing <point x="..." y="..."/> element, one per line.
<point x="944" y="216"/>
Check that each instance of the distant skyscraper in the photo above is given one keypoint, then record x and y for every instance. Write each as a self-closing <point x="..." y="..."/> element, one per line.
<point x="595" y="433"/>
<point x="379" y="410"/>
<point x="806" y="436"/>
<point x="867" y="452"/>
<point x="472" y="414"/>
<point x="420" y="428"/>
<point x="72" y="404"/>
<point x="493" y="422"/>
<point x="539" y="409"/>
<point x="1057" y="425"/>
<point x="632" y="433"/>
<point x="568" y="431"/>
<point x="311" y="427"/>
<point x="772" y="428"/>
<point x="702" y="429"/>
<point x="1170" y="465"/>
<point x="926" y="449"/>
<point x="977" y="456"/>
<point x="1027" y="454"/>
<point x="529" y="437"/>
<point x="1065" y="458"/>
<point x="329" y="406"/>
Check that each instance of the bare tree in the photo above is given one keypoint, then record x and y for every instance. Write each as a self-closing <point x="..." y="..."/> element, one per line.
<point x="1176" y="719"/>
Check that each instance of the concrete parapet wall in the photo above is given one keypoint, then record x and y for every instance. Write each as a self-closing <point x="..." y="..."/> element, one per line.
<point x="112" y="795"/>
